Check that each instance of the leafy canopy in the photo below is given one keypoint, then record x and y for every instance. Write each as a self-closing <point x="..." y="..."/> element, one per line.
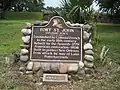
<point x="77" y="11"/>
<point x="112" y="7"/>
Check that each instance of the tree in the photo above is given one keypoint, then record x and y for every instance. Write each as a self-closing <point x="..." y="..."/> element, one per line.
<point x="77" y="11"/>
<point x="20" y="5"/>
<point x="111" y="7"/>
<point x="28" y="5"/>
<point x="5" y="5"/>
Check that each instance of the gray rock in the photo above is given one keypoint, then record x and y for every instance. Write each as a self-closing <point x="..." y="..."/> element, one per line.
<point x="88" y="64"/>
<point x="22" y="69"/>
<point x="89" y="57"/>
<point x="30" y="66"/>
<point x="73" y="67"/>
<point x="26" y="39"/>
<point x="86" y="35"/>
<point x="21" y="73"/>
<point x="7" y="60"/>
<point x="81" y="64"/>
<point x="29" y="72"/>
<point x="73" y="25"/>
<point x="23" y="31"/>
<point x="68" y="22"/>
<point x="39" y="84"/>
<point x="28" y="25"/>
<point x="87" y="27"/>
<point x="88" y="46"/>
<point x="24" y="58"/>
<point x="45" y="67"/>
<point x="87" y="69"/>
<point x="69" y="77"/>
<point x="37" y="66"/>
<point x="81" y="71"/>
<point x="24" y="51"/>
<point x="81" y="25"/>
<point x="26" y="31"/>
<point x="54" y="67"/>
<point x="89" y="52"/>
<point x="90" y="40"/>
<point x="37" y="23"/>
<point x="76" y="25"/>
<point x="39" y="73"/>
<point x="45" y="22"/>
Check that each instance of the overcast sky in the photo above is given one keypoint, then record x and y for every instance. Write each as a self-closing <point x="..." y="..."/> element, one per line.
<point x="56" y="3"/>
<point x="53" y="3"/>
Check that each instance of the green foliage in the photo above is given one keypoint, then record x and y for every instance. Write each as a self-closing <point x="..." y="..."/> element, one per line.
<point x="5" y="5"/>
<point x="95" y="35"/>
<point x="10" y="36"/>
<point x="111" y="7"/>
<point x="77" y="11"/>
<point x="24" y="15"/>
<point x="28" y="5"/>
<point x="109" y="35"/>
<point x="20" y="5"/>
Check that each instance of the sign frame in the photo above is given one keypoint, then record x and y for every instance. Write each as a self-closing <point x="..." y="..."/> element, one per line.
<point x="67" y="61"/>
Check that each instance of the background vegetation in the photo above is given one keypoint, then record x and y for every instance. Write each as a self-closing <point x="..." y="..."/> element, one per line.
<point x="16" y="12"/>
<point x="24" y="15"/>
<point x="111" y="8"/>
<point x="20" y="6"/>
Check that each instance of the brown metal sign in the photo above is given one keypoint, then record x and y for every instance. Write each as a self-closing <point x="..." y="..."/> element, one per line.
<point x="56" y="42"/>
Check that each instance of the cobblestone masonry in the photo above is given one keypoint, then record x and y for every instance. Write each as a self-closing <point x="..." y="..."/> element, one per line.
<point x="86" y="64"/>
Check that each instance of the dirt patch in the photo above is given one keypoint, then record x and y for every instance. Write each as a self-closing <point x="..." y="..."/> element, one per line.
<point x="103" y="78"/>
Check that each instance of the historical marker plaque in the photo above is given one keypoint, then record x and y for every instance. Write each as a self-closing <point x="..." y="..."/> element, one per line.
<point x="56" y="42"/>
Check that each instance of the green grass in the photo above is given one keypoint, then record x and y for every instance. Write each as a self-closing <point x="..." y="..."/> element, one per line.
<point x="109" y="36"/>
<point x="10" y="35"/>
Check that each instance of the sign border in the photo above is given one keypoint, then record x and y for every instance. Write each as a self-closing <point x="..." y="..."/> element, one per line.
<point x="43" y="60"/>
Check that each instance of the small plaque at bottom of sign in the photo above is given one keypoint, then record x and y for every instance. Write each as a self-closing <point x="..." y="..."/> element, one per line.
<point x="55" y="78"/>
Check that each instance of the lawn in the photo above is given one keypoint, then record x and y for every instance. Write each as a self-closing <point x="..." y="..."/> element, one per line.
<point x="109" y="36"/>
<point x="106" y="78"/>
<point x="10" y="35"/>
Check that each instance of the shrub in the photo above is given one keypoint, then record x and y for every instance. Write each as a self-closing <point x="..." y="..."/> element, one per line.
<point x="24" y="15"/>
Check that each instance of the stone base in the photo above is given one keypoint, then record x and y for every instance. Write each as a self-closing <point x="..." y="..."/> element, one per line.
<point x="82" y="67"/>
